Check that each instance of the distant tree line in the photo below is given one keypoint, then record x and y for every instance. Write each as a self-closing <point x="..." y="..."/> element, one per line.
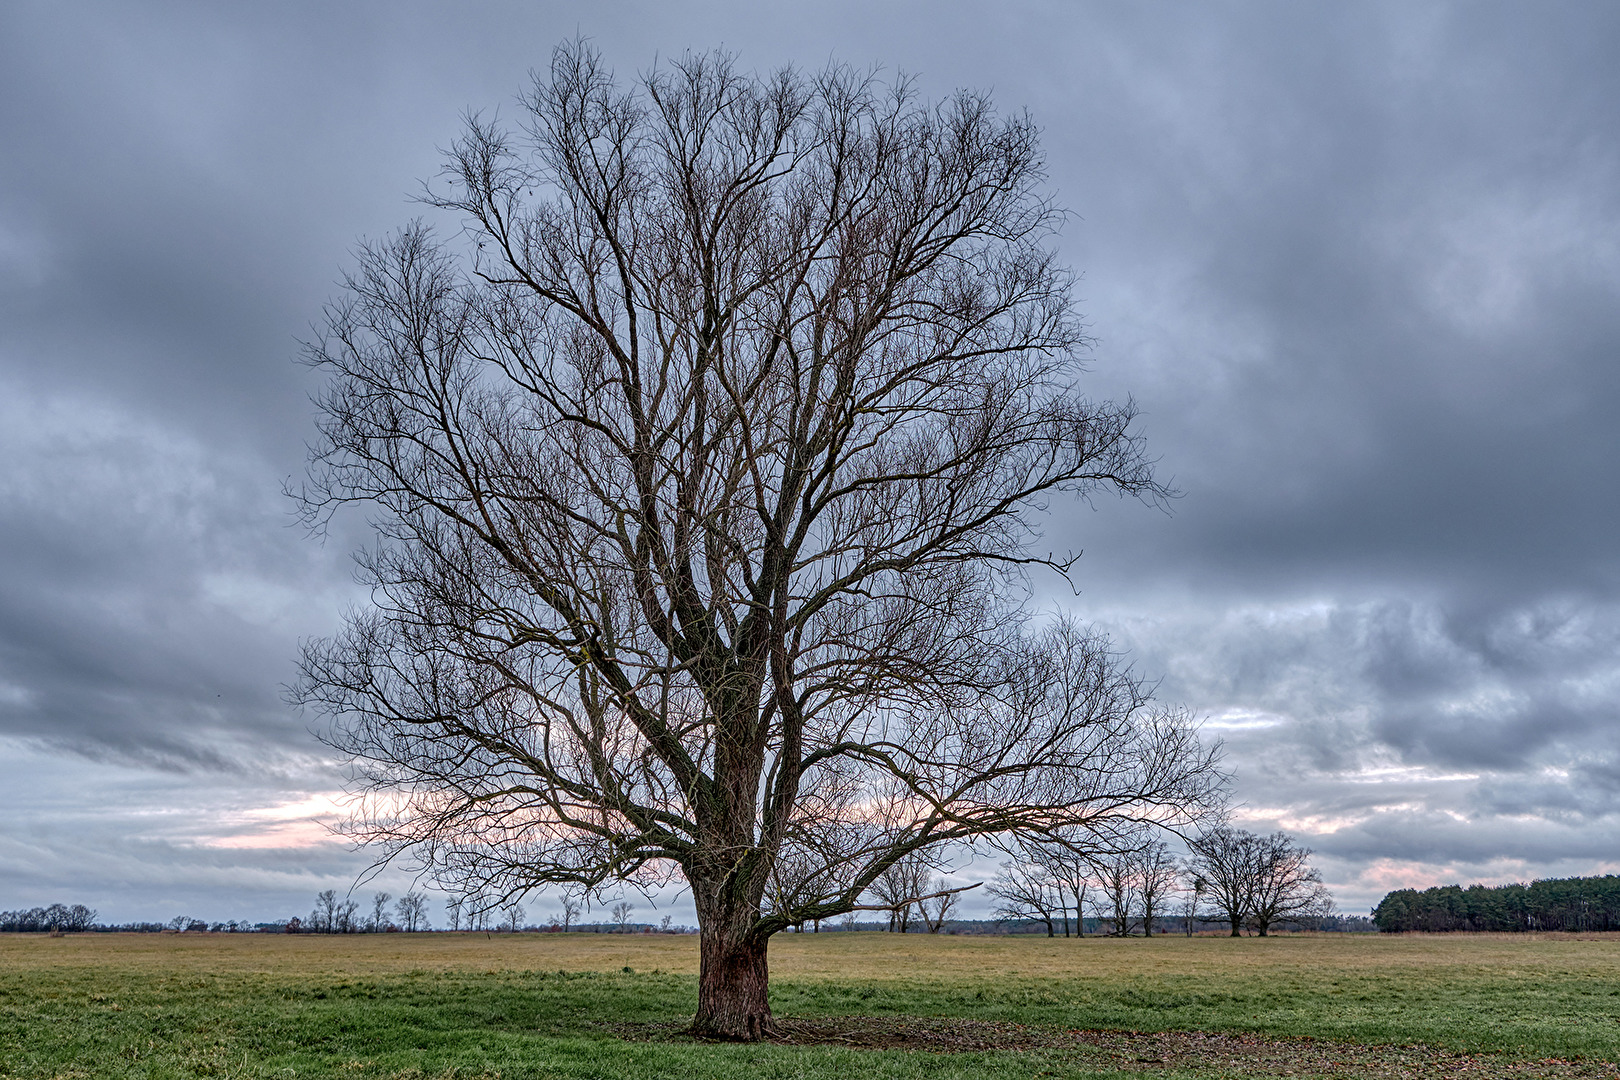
<point x="412" y="916"/>
<point x="58" y="917"/>
<point x="1590" y="903"/>
<point x="1130" y="884"/>
<point x="78" y="919"/>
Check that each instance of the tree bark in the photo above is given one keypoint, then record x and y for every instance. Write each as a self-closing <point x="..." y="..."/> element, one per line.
<point x="733" y="982"/>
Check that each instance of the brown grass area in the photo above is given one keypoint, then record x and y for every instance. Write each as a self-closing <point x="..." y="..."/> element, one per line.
<point x="840" y="956"/>
<point x="352" y="954"/>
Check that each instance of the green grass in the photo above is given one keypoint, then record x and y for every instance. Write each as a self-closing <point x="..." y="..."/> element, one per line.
<point x="552" y="1005"/>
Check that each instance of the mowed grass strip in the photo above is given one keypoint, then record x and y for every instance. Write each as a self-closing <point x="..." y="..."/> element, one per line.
<point x="557" y="1005"/>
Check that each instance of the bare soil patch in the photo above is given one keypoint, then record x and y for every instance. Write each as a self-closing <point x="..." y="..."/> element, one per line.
<point x="1146" y="1051"/>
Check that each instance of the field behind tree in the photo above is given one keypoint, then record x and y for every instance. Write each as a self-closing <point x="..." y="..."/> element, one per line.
<point x="857" y="1005"/>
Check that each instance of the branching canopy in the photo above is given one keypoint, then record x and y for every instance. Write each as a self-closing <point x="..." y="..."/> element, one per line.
<point x="706" y="466"/>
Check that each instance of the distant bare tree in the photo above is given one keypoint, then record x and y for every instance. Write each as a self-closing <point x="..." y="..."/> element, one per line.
<point x="346" y="918"/>
<point x="937" y="908"/>
<point x="1065" y="860"/>
<point x="1072" y="875"/>
<point x="324" y="919"/>
<point x="1286" y="888"/>
<point x="1257" y="881"/>
<point x="411" y="910"/>
<point x="705" y="477"/>
<point x="452" y="911"/>
<point x="379" y="913"/>
<point x="1025" y="892"/>
<point x="1118" y="884"/>
<point x="1226" y="860"/>
<point x="570" y="912"/>
<point x="899" y="886"/>
<point x="621" y="914"/>
<point x="512" y="917"/>
<point x="1158" y="880"/>
<point x="1192" y="899"/>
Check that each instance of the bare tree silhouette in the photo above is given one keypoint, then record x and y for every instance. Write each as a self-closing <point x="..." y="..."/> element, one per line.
<point x="705" y="477"/>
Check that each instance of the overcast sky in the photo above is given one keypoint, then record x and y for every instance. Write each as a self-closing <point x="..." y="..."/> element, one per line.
<point x="1358" y="263"/>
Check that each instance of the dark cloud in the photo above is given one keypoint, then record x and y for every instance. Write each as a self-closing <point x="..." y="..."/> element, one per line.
<point x="153" y="586"/>
<point x="1358" y="263"/>
<point x="1380" y="331"/>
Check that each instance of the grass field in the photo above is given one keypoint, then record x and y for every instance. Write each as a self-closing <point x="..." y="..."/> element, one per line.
<point x="552" y="1005"/>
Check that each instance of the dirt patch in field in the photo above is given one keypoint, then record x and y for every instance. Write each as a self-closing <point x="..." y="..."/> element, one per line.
<point x="1247" y="1055"/>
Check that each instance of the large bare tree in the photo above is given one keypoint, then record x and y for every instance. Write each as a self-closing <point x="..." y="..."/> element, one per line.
<point x="706" y="465"/>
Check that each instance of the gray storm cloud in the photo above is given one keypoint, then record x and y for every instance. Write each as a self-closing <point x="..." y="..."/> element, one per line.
<point x="1357" y="263"/>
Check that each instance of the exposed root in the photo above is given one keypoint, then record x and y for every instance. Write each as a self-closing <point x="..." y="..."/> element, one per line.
<point x="760" y="1030"/>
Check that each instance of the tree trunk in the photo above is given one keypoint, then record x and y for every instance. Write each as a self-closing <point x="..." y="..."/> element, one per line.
<point x="733" y="983"/>
<point x="1236" y="922"/>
